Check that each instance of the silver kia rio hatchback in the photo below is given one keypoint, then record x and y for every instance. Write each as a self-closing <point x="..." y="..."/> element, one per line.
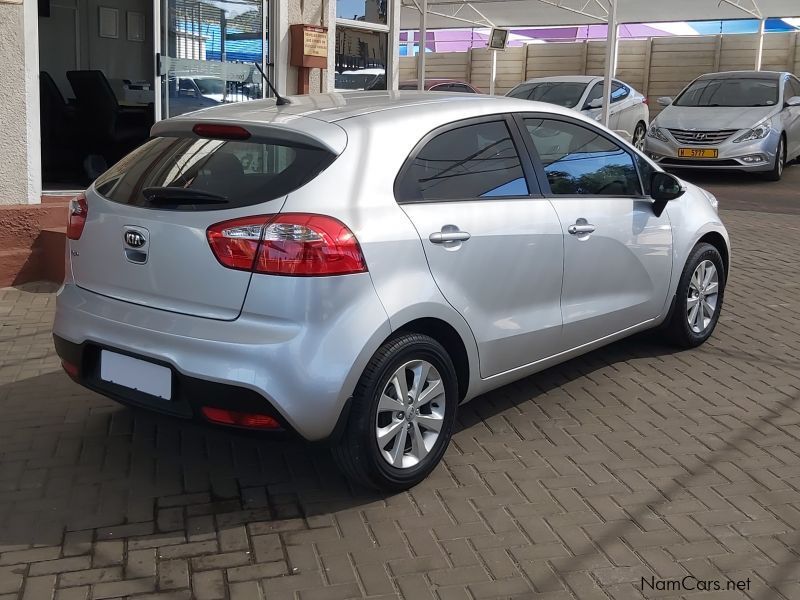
<point x="353" y="267"/>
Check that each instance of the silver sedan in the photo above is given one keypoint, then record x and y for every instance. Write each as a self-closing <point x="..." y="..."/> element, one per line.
<point x="744" y="120"/>
<point x="353" y="267"/>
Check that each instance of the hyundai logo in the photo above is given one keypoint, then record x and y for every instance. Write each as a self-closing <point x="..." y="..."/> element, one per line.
<point x="700" y="136"/>
<point x="135" y="239"/>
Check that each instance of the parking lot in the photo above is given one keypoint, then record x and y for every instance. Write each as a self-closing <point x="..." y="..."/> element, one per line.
<point x="632" y="462"/>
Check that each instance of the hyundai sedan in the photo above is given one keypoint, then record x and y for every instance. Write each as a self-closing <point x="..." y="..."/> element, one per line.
<point x="742" y="120"/>
<point x="269" y="267"/>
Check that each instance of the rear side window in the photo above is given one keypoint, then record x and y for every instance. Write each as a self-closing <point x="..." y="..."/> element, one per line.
<point x="471" y="162"/>
<point x="579" y="161"/>
<point x="236" y="173"/>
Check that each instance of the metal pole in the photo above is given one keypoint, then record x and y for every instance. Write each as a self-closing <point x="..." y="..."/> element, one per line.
<point x="611" y="59"/>
<point x="493" y="75"/>
<point x="760" y="48"/>
<point x="423" y="42"/>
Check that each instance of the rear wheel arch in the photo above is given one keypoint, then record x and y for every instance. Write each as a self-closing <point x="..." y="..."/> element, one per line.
<point x="447" y="336"/>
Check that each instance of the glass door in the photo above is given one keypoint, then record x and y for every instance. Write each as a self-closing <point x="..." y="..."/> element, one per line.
<point x="209" y="52"/>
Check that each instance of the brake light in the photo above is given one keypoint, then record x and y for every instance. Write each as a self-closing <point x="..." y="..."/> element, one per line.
<point x="240" y="419"/>
<point x="70" y="369"/>
<point x="221" y="132"/>
<point x="646" y="101"/>
<point x="78" y="211"/>
<point x="295" y="244"/>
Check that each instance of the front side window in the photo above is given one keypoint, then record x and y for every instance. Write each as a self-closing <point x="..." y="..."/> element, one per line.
<point x="792" y="89"/>
<point x="561" y="93"/>
<point x="474" y="161"/>
<point x="580" y="161"/>
<point x="740" y="91"/>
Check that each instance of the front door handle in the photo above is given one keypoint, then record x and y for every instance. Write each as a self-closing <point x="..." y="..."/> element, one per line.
<point x="581" y="229"/>
<point x="442" y="237"/>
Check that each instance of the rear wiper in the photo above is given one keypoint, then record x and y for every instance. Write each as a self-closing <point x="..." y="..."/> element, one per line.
<point x="176" y="195"/>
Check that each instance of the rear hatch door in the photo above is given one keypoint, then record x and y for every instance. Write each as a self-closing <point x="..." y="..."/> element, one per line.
<point x="144" y="240"/>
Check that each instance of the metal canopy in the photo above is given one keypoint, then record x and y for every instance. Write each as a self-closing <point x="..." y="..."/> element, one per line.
<point x="443" y="14"/>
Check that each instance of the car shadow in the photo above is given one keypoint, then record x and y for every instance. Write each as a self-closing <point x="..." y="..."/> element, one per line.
<point x="73" y="461"/>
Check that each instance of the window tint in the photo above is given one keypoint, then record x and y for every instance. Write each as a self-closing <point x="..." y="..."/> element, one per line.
<point x="461" y="88"/>
<point x="243" y="173"/>
<point x="646" y="170"/>
<point x="580" y="161"/>
<point x="562" y="93"/>
<point x="475" y="161"/>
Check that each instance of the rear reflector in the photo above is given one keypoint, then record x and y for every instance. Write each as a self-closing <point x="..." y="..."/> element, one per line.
<point x="70" y="369"/>
<point x="294" y="244"/>
<point x="78" y="211"/>
<point x="221" y="132"/>
<point x="232" y="417"/>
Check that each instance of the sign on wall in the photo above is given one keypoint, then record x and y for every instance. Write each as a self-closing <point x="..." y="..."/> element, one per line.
<point x="10" y="1"/>
<point x="315" y="42"/>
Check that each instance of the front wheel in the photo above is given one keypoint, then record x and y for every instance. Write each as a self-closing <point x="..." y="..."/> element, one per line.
<point x="776" y="172"/>
<point x="402" y="414"/>
<point x="698" y="299"/>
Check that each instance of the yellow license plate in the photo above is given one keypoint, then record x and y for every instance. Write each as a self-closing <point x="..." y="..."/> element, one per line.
<point x="698" y="152"/>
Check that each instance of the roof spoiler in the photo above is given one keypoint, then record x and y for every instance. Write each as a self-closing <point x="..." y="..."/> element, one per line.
<point x="308" y="133"/>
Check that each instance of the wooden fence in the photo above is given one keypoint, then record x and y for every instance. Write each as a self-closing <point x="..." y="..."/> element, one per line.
<point x="656" y="66"/>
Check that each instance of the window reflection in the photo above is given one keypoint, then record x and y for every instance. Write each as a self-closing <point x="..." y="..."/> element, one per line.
<point x="579" y="161"/>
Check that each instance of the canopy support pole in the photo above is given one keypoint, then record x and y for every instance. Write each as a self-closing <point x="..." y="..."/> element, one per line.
<point x="760" y="49"/>
<point x="611" y="59"/>
<point x="423" y="43"/>
<point x="493" y="74"/>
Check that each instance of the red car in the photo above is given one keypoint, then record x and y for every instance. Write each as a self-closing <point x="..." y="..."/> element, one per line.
<point x="441" y="85"/>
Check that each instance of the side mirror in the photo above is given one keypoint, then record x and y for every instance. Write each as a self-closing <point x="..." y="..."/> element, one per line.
<point x="663" y="188"/>
<point x="596" y="103"/>
<point x="793" y="101"/>
<point x="664" y="101"/>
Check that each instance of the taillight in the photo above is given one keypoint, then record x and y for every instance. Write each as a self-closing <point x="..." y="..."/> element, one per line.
<point x="78" y="211"/>
<point x="295" y="244"/>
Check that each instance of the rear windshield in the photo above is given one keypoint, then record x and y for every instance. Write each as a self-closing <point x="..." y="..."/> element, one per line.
<point x="730" y="92"/>
<point x="562" y="93"/>
<point x="221" y="174"/>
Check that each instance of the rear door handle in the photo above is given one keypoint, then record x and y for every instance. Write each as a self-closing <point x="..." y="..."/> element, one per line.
<point x="581" y="229"/>
<point x="442" y="237"/>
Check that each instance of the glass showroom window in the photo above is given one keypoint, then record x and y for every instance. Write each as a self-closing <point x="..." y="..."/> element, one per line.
<point x="362" y="44"/>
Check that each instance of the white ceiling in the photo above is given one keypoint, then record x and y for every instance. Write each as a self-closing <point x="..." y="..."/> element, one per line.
<point x="530" y="13"/>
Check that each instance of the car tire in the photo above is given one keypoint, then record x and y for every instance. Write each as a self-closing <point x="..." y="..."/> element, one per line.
<point x="703" y="274"/>
<point x="639" y="136"/>
<point x="369" y="450"/>
<point x="779" y="165"/>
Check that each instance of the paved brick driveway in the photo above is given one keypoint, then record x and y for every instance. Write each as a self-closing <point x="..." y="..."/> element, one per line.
<point x="631" y="462"/>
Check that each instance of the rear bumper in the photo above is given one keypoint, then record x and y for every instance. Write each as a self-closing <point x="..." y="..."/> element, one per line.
<point x="189" y="394"/>
<point x="300" y="371"/>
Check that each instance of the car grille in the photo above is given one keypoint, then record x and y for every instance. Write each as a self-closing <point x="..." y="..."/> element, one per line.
<point x="708" y="137"/>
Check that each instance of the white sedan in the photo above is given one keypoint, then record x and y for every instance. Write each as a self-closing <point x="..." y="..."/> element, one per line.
<point x="629" y="115"/>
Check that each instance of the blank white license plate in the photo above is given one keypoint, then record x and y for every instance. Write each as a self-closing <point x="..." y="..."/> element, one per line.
<point x="136" y="374"/>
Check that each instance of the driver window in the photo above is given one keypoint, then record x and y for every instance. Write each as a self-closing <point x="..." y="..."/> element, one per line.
<point x="578" y="161"/>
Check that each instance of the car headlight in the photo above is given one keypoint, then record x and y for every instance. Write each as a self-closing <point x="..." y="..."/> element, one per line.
<point x="759" y="132"/>
<point x="656" y="132"/>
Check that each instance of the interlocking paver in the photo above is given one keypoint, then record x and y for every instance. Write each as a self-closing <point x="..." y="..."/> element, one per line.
<point x="632" y="461"/>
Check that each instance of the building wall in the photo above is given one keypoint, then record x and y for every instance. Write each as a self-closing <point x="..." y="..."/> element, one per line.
<point x="20" y="163"/>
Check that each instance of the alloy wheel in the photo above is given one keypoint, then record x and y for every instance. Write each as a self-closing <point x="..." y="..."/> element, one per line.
<point x="638" y="137"/>
<point x="701" y="301"/>
<point x="410" y="414"/>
